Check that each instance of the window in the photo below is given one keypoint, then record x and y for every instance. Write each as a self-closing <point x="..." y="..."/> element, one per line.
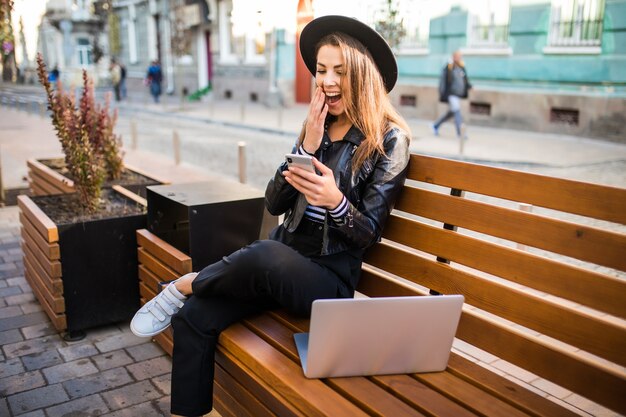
<point x="84" y="51"/>
<point x="242" y="33"/>
<point x="575" y="26"/>
<point x="488" y="24"/>
<point x="416" y="16"/>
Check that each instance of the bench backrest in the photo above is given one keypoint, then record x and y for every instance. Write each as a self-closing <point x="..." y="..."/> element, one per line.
<point x="540" y="261"/>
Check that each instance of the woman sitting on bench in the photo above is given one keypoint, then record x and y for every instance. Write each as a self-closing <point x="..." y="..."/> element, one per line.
<point x="360" y="146"/>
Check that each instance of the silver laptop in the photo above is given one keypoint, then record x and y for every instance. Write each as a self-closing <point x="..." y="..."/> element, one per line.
<point x="379" y="336"/>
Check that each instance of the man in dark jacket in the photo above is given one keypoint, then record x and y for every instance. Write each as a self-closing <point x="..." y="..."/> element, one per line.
<point x="453" y="86"/>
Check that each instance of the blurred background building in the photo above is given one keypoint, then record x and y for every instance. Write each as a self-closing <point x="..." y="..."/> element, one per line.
<point x="545" y="65"/>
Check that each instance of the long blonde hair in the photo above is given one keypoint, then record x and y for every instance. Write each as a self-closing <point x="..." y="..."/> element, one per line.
<point x="366" y="102"/>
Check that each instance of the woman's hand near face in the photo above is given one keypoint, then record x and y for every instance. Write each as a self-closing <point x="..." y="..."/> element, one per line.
<point x="319" y="190"/>
<point x="315" y="121"/>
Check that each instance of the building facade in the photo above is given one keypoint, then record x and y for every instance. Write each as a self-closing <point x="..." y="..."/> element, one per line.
<point x="72" y="37"/>
<point x="555" y="66"/>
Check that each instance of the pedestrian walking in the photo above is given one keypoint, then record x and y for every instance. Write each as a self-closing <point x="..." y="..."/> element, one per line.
<point x="154" y="77"/>
<point x="53" y="76"/>
<point x="353" y="134"/>
<point x="116" y="78"/>
<point x="123" y="81"/>
<point x="454" y="85"/>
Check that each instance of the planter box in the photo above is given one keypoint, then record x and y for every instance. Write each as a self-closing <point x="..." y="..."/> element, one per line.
<point x="159" y="261"/>
<point x="44" y="180"/>
<point x="84" y="274"/>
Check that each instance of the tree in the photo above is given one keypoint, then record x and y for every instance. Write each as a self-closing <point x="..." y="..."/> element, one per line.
<point x="390" y="25"/>
<point x="7" y="41"/>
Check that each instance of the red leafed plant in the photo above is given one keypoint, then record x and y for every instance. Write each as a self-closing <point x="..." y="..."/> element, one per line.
<point x="85" y="130"/>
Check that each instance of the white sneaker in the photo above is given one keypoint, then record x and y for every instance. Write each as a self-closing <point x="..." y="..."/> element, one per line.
<point x="156" y="315"/>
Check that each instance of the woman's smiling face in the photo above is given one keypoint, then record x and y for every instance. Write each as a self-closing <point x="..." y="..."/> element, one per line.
<point x="329" y="75"/>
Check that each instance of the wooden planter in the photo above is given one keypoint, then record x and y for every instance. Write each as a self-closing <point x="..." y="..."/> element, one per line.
<point x="159" y="262"/>
<point x="44" y="180"/>
<point x="83" y="274"/>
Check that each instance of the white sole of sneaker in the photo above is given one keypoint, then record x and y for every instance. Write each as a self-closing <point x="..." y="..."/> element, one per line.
<point x="140" y="334"/>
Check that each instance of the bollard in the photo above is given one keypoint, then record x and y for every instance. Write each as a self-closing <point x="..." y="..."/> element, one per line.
<point x="528" y="208"/>
<point x="42" y="110"/>
<point x="242" y="162"/>
<point x="176" y="142"/>
<point x="462" y="138"/>
<point x="133" y="135"/>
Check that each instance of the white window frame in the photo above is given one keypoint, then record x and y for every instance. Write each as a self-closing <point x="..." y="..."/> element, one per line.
<point x="84" y="51"/>
<point x="574" y="44"/>
<point x="226" y="54"/>
<point x="489" y="46"/>
<point x="132" y="34"/>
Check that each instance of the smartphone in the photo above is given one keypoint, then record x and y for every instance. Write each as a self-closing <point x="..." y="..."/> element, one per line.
<point x="300" y="161"/>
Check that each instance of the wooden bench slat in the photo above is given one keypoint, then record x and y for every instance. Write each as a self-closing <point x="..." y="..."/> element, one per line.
<point x="258" y="387"/>
<point x="38" y="218"/>
<point x="588" y="378"/>
<point x="596" y="335"/>
<point x="540" y="357"/>
<point x="578" y="241"/>
<point x="589" y="288"/>
<point x="431" y="402"/>
<point x="231" y="396"/>
<point x="51" y="250"/>
<point x="159" y="269"/>
<point x="168" y="254"/>
<point x="312" y="397"/>
<point x="467" y="394"/>
<point x="505" y="389"/>
<point x="164" y="339"/>
<point x="148" y="278"/>
<point x="592" y="200"/>
<point x="361" y="391"/>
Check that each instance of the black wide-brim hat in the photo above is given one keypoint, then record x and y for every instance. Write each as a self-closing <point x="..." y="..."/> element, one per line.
<point x="383" y="57"/>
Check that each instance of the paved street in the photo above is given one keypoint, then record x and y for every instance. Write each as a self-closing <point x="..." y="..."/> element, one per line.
<point x="111" y="372"/>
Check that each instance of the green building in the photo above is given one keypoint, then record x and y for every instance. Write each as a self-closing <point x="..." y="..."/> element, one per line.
<point x="545" y="69"/>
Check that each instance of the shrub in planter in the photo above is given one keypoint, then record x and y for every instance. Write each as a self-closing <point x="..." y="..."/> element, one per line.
<point x="80" y="248"/>
<point x="92" y="150"/>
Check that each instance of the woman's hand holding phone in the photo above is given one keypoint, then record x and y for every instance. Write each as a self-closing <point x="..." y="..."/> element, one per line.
<point x="315" y="121"/>
<point x="319" y="190"/>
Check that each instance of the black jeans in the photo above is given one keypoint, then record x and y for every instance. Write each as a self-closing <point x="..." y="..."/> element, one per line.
<point x="264" y="275"/>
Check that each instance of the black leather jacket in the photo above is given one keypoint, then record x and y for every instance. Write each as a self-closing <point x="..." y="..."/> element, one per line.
<point x="371" y="191"/>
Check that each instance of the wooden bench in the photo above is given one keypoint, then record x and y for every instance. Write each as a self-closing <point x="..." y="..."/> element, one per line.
<point x="545" y="290"/>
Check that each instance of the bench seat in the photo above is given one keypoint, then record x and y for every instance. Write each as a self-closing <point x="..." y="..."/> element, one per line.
<point x="540" y="261"/>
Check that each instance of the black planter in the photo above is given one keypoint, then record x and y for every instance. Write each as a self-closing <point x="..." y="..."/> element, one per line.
<point x="205" y="220"/>
<point x="99" y="267"/>
<point x="94" y="260"/>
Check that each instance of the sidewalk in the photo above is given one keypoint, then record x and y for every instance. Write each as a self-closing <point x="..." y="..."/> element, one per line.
<point x="113" y="373"/>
